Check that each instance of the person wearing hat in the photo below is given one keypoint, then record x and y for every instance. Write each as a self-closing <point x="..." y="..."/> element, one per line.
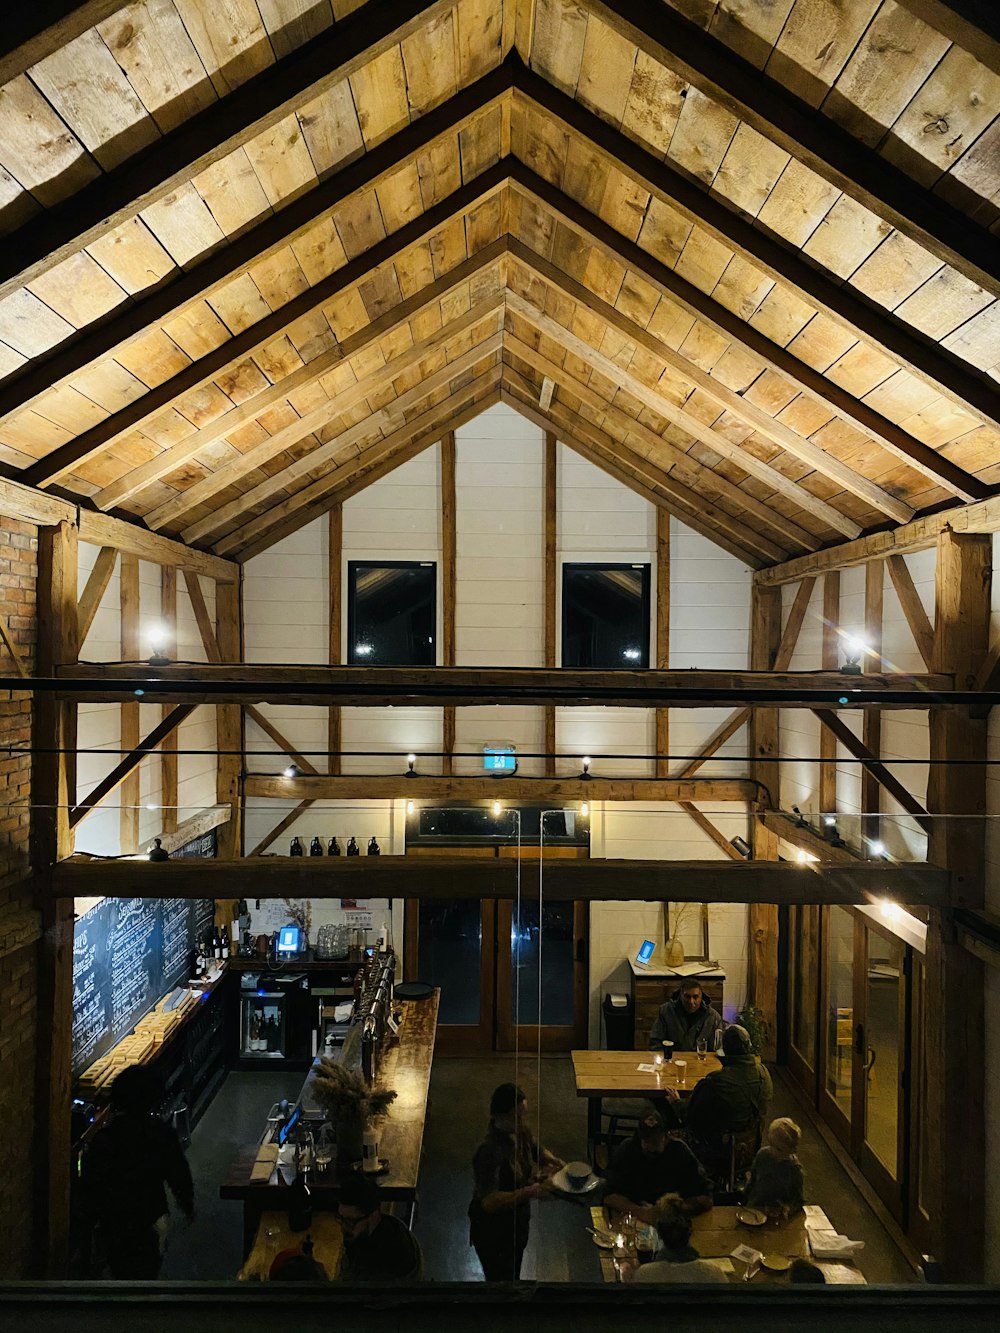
<point x="728" y="1101"/>
<point x="509" y="1170"/>
<point x="124" y="1172"/>
<point x="377" y="1247"/>
<point x="650" y="1166"/>
<point x="685" y="1019"/>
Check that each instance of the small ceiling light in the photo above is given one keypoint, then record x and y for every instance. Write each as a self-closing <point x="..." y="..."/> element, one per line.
<point x="890" y="910"/>
<point x="854" y="650"/>
<point x="410" y="807"/>
<point x="804" y="858"/>
<point x="586" y="766"/>
<point x="585" y="809"/>
<point x="157" y="638"/>
<point x="157" y="852"/>
<point x="879" y="852"/>
<point x="292" y="771"/>
<point x="497" y="809"/>
<point x="800" y="819"/>
<point x="411" y="759"/>
<point x="742" y="846"/>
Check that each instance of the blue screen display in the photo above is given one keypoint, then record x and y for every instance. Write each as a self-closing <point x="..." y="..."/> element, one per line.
<point x="646" y="952"/>
<point x="290" y="939"/>
<point x="500" y="759"/>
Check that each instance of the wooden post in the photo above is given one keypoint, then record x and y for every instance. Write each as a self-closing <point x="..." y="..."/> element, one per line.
<point x="335" y="557"/>
<point x="551" y="566"/>
<point x="831" y="660"/>
<point x="229" y="721"/>
<point x="130" y="794"/>
<point x="954" y="1033"/>
<point x="168" y="756"/>
<point x="54" y="732"/>
<point x="764" y="736"/>
<point x="662" y="632"/>
<point x="871" y="727"/>
<point x="449" y="538"/>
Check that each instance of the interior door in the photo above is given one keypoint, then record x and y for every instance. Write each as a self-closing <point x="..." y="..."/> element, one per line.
<point x="838" y="1084"/>
<point x="803" y="995"/>
<point x="541" y="975"/>
<point x="882" y="1064"/>
<point x="450" y="943"/>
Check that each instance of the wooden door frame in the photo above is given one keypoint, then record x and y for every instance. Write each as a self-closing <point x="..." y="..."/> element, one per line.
<point x="545" y="1037"/>
<point x="892" y="1191"/>
<point x="459" y="1038"/>
<point x="839" y="1123"/>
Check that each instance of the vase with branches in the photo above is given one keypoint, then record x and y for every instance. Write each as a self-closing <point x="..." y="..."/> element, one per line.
<point x="350" y="1105"/>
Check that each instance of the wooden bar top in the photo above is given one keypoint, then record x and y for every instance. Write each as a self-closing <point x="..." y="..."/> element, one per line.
<point x="407" y="1069"/>
<point x="617" y="1074"/>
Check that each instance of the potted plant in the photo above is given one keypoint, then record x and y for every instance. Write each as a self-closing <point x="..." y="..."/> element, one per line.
<point x="752" y="1018"/>
<point x="350" y="1106"/>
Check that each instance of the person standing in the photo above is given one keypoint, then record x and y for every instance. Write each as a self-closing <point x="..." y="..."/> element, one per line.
<point x="125" y="1172"/>
<point x="685" y="1019"/>
<point x="509" y="1170"/>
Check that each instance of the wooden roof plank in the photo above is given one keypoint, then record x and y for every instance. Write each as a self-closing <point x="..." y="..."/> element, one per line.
<point x="812" y="138"/>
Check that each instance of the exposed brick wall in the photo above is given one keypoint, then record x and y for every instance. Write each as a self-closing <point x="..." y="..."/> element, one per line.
<point x="18" y="968"/>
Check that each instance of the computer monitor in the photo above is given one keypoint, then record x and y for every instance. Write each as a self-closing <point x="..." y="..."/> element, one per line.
<point x="289" y="942"/>
<point x="645" y="953"/>
<point x="289" y="1125"/>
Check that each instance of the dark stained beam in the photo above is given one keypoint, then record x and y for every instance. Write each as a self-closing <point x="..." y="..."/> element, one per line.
<point x="449" y="787"/>
<point x="442" y="877"/>
<point x="912" y="451"/>
<point x="210" y="136"/>
<point x="809" y="136"/>
<point x="164" y="728"/>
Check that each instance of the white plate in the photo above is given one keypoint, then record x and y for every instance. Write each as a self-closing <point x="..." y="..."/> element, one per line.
<point x="603" y="1242"/>
<point x="751" y="1217"/>
<point x="777" y="1263"/>
<point x="560" y="1182"/>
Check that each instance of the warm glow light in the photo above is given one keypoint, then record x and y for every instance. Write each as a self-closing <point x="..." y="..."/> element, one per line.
<point x="804" y="857"/>
<point x="411" y="759"/>
<point x="292" y="771"/>
<point x="854" y="647"/>
<point x="585" y="809"/>
<point x="410" y="807"/>
<point x="890" y="910"/>
<point x="157" y="636"/>
<point x="878" y="849"/>
<point x="497" y="808"/>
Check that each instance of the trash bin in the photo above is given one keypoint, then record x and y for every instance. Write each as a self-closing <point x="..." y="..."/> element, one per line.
<point x="619" y="1022"/>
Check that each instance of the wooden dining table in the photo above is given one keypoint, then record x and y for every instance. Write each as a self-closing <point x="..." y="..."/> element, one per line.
<point x="717" y="1233"/>
<point x="599" y="1074"/>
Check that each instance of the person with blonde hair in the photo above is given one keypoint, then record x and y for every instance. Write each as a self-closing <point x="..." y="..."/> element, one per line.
<point x="776" y="1183"/>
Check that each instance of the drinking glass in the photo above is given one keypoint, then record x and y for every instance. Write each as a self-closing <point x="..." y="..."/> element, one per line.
<point x="681" y="1067"/>
<point x="658" y="1060"/>
<point x="701" y="1046"/>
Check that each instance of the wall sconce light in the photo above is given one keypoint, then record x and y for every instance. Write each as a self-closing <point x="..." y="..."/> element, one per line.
<point x="854" y="650"/>
<point x="800" y="819"/>
<point x="411" y="759"/>
<point x="410" y="807"/>
<point x="292" y="771"/>
<point x="497" y="809"/>
<point x="585" y="809"/>
<point x="586" y="767"/>
<point x="742" y="846"/>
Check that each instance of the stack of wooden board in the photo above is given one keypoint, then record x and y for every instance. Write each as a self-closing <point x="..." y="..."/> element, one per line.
<point x="138" y="1047"/>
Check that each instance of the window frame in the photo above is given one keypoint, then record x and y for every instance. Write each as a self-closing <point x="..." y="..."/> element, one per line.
<point x="352" y="592"/>
<point x="647" y="584"/>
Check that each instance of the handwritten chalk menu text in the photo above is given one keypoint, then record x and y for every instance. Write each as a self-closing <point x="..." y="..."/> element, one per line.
<point x="127" y="954"/>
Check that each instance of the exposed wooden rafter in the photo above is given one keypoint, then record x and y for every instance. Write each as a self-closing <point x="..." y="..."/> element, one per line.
<point x="131" y="762"/>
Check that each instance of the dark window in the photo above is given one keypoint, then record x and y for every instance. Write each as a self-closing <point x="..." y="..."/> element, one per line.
<point x="391" y="613"/>
<point x="605" y="616"/>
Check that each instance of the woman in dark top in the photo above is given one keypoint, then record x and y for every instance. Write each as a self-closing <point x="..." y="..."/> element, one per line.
<point x="509" y="1170"/>
<point x="124" y="1173"/>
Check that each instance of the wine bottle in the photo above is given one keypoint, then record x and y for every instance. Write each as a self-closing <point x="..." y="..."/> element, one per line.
<point x="296" y="848"/>
<point x="216" y="943"/>
<point x="334" y="847"/>
<point x="299" y="1200"/>
<point x="353" y="849"/>
<point x="226" y="945"/>
<point x="373" y="848"/>
<point x="315" y="847"/>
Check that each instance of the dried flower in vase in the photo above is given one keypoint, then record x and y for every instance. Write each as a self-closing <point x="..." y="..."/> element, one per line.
<point x="338" y="1089"/>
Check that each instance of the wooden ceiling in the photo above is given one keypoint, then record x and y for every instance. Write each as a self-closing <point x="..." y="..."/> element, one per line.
<point x="742" y="254"/>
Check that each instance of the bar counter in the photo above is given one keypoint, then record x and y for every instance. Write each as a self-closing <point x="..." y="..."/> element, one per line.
<point x="407" y="1069"/>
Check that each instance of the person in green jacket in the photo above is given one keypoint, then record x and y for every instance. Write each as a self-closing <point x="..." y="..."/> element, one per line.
<point x="730" y="1100"/>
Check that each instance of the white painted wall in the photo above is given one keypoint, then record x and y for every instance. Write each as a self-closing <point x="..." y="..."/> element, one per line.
<point x="99" y="725"/>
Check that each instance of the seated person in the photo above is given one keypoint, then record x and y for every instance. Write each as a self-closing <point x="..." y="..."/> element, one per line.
<point x="377" y="1247"/>
<point x="651" y="1166"/>
<point x="804" y="1271"/>
<point x="686" y="1018"/>
<point x="776" y="1180"/>
<point x="727" y="1101"/>
<point x="677" y="1260"/>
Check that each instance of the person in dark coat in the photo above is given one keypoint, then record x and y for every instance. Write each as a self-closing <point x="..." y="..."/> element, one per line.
<point x="685" y="1019"/>
<point x="125" y="1174"/>
<point x="377" y="1247"/>
<point x="509" y="1170"/>
<point x="650" y="1170"/>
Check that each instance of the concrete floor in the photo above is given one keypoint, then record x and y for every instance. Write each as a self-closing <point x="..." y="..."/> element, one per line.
<point x="560" y="1249"/>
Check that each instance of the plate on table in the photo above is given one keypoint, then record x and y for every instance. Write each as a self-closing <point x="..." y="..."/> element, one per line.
<point x="751" y="1217"/>
<point x="777" y="1263"/>
<point x="604" y="1240"/>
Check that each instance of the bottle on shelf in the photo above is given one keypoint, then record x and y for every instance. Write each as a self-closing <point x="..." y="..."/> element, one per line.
<point x="353" y="849"/>
<point x="216" y="943"/>
<point x="315" y="847"/>
<point x="373" y="848"/>
<point x="255" y="1023"/>
<point x="333" y="848"/>
<point x="296" y="848"/>
<point x="270" y="1034"/>
<point x="226" y="945"/>
<point x="299" y="1199"/>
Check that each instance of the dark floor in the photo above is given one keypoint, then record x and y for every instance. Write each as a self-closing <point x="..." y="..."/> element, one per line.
<point x="560" y="1249"/>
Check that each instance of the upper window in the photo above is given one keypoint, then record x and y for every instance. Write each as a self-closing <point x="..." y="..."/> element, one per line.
<point x="605" y="615"/>
<point x="391" y="612"/>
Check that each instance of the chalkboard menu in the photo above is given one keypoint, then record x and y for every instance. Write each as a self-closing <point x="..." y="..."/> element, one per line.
<point x="127" y="954"/>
